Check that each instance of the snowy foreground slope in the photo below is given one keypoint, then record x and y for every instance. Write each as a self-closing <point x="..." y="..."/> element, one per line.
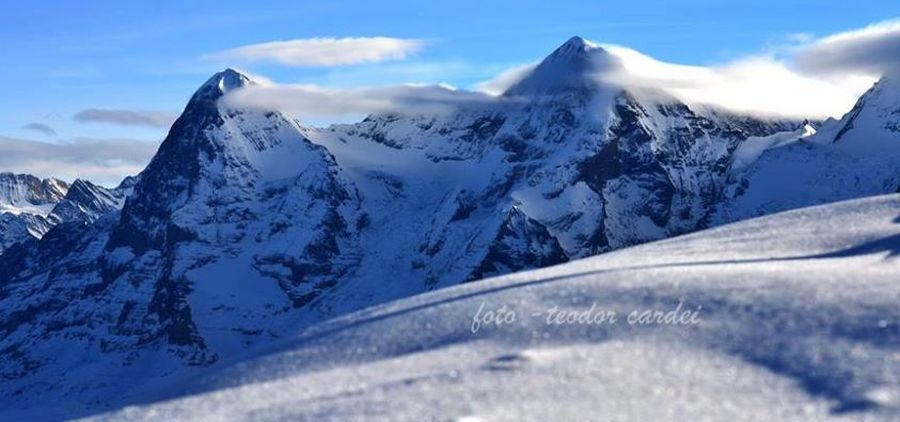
<point x="797" y="319"/>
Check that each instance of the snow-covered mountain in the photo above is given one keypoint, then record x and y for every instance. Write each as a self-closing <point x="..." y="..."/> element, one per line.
<point x="30" y="207"/>
<point x="847" y="158"/>
<point x="15" y="228"/>
<point x="87" y="202"/>
<point x="805" y="328"/>
<point x="247" y="225"/>
<point x="25" y="201"/>
<point x="22" y="193"/>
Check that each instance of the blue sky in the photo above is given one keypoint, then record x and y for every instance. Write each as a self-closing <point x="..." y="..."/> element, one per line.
<point x="61" y="58"/>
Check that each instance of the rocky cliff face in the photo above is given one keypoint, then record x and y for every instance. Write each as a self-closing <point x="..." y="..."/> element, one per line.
<point x="86" y="202"/>
<point x="22" y="192"/>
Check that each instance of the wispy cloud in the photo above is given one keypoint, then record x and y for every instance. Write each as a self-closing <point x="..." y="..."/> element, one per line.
<point x="322" y="52"/>
<point x="104" y="161"/>
<point x="815" y="77"/>
<point x="755" y="84"/>
<point x="313" y="102"/>
<point x="157" y="119"/>
<point x="397" y="73"/>
<point x="40" y="127"/>
<point x="506" y="79"/>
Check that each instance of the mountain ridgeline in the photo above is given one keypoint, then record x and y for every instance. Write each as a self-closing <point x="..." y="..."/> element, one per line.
<point x="247" y="225"/>
<point x="30" y="207"/>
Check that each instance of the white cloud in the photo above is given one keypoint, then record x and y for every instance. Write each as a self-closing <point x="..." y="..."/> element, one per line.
<point x="157" y="119"/>
<point x="756" y="84"/>
<point x="104" y="161"/>
<point x="872" y="50"/>
<point x="500" y="83"/>
<point x="396" y="73"/>
<point x="323" y="52"/>
<point x="310" y="102"/>
<point x="816" y="77"/>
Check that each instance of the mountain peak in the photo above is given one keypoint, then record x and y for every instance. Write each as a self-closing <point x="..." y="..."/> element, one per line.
<point x="230" y="79"/>
<point x="222" y="83"/>
<point x="574" y="65"/>
<point x="575" y="46"/>
<point x="577" y="40"/>
<point x="29" y="194"/>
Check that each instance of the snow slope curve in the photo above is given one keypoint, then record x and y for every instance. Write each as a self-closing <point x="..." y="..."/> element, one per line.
<point x="796" y="318"/>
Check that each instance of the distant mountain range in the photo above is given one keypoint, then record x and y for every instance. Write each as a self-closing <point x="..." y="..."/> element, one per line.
<point x="248" y="226"/>
<point x="30" y="207"/>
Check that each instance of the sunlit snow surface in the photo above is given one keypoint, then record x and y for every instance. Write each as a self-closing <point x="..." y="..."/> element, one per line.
<point x="799" y="320"/>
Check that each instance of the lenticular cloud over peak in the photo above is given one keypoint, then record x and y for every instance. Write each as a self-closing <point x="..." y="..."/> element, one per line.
<point x="756" y="84"/>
